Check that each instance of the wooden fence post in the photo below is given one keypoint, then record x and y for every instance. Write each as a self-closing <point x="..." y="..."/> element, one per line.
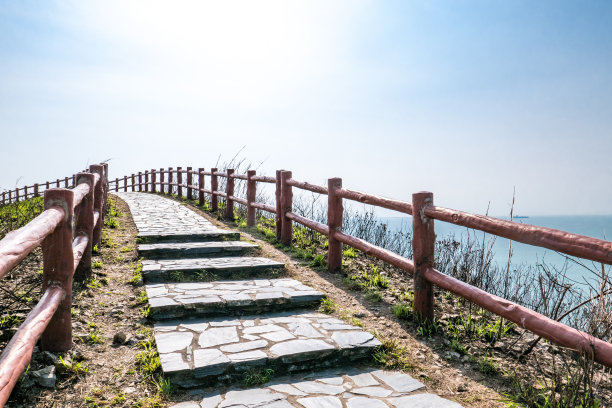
<point x="146" y="181"/>
<point x="74" y="181"/>
<point x="170" y="180"/>
<point x="279" y="207"/>
<point x="140" y="181"/>
<point x="10" y="196"/>
<point x="83" y="224"/>
<point x="66" y="182"/>
<point x="36" y="191"/>
<point x="116" y="184"/>
<point x="334" y="221"/>
<point x="423" y="246"/>
<point x="98" y="204"/>
<point x="214" y="185"/>
<point x="25" y="193"/>
<point x="133" y="182"/>
<point x="189" y="183"/>
<point x="287" y="206"/>
<point x="57" y="183"/>
<point x="124" y="183"/>
<point x="229" y="191"/>
<point x="153" y="180"/>
<point x="58" y="268"/>
<point x="179" y="181"/>
<point x="16" y="195"/>
<point x="201" y="187"/>
<point x="161" y="181"/>
<point x="251" y="197"/>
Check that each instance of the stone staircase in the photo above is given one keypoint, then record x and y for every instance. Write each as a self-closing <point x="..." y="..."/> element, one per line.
<point x="214" y="330"/>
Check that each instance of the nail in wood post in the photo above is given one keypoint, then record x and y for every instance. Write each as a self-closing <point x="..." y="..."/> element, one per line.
<point x="423" y="245"/>
<point x="140" y="181"/>
<point x="125" y="183"/>
<point x="214" y="185"/>
<point x="229" y="191"/>
<point x="279" y="207"/>
<point x="161" y="181"/>
<point x="179" y="181"/>
<point x="287" y="206"/>
<point x="170" y="180"/>
<point x="58" y="267"/>
<point x="153" y="180"/>
<point x="98" y="203"/>
<point x="201" y="186"/>
<point x="133" y="182"/>
<point x="189" y="183"/>
<point x="146" y="182"/>
<point x="251" y="196"/>
<point x="83" y="225"/>
<point x="334" y="221"/>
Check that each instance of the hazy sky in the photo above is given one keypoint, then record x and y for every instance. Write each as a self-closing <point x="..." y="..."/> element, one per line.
<point x="467" y="99"/>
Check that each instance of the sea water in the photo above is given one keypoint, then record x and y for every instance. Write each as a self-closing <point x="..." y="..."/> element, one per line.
<point x="596" y="226"/>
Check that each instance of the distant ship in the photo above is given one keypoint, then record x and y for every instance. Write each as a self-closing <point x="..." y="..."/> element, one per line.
<point x="520" y="216"/>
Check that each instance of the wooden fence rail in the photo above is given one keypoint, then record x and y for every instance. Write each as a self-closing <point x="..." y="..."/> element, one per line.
<point x="67" y="228"/>
<point x="34" y="190"/>
<point x="423" y="240"/>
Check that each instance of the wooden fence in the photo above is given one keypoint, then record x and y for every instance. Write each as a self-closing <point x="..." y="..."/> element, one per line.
<point x="424" y="212"/>
<point x="36" y="189"/>
<point x="67" y="229"/>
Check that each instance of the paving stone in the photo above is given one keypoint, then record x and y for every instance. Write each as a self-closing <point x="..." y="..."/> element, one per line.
<point x="363" y="380"/>
<point x="362" y="402"/>
<point x="423" y="401"/>
<point x="372" y="391"/>
<point x="320" y="402"/>
<point x="159" y="219"/>
<point x="173" y="341"/>
<point x="251" y="398"/>
<point x="400" y="382"/>
<point x="220" y="344"/>
<point x="197" y="269"/>
<point x="194" y="249"/>
<point x="174" y="300"/>
<point x="314" y="387"/>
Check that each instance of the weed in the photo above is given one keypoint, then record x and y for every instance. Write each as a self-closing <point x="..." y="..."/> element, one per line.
<point x="427" y="328"/>
<point x="95" y="250"/>
<point x="318" y="261"/>
<point x="327" y="306"/>
<point x="147" y="360"/>
<point x="373" y="296"/>
<point x="97" y="265"/>
<point x="257" y="376"/>
<point x="391" y="355"/>
<point x="458" y="347"/>
<point x="403" y="311"/>
<point x="9" y="321"/>
<point x="349" y="252"/>
<point x="486" y="365"/>
<point x="72" y="367"/>
<point x="142" y="298"/>
<point x="126" y="249"/>
<point x="164" y="386"/>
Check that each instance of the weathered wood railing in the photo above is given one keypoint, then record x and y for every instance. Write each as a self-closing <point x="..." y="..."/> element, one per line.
<point x="36" y="189"/>
<point x="67" y="229"/>
<point x="424" y="213"/>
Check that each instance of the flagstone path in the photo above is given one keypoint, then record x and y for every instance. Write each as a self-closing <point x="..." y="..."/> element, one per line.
<point x="213" y="331"/>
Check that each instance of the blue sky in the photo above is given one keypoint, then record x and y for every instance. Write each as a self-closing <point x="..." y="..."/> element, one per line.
<point x="468" y="99"/>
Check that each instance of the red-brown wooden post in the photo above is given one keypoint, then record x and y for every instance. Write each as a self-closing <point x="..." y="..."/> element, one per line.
<point x="201" y="186"/>
<point x="170" y="180"/>
<point x="84" y="225"/>
<point x="153" y="181"/>
<point x="98" y="203"/>
<point x="179" y="181"/>
<point x="189" y="183"/>
<point x="124" y="183"/>
<point x="146" y="181"/>
<point x="140" y="181"/>
<point x="58" y="268"/>
<point x="116" y="184"/>
<point x="57" y="183"/>
<point x="66" y="182"/>
<point x="74" y="180"/>
<point x="10" y="196"/>
<point x="423" y="246"/>
<point x="214" y="185"/>
<point x="133" y="182"/>
<point x="279" y="207"/>
<point x="104" y="191"/>
<point x="36" y="192"/>
<point x="161" y="181"/>
<point x="251" y="197"/>
<point x="287" y="206"/>
<point x="17" y="195"/>
<point x="229" y="191"/>
<point x="25" y="193"/>
<point x="334" y="221"/>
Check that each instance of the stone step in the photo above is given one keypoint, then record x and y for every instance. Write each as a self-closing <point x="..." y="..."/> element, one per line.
<point x="195" y="249"/>
<point x="207" y="351"/>
<point x="204" y="269"/>
<point x="176" y="236"/>
<point x="352" y="388"/>
<point x="229" y="298"/>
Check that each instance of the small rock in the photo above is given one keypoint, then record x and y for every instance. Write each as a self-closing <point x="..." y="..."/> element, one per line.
<point x="129" y="390"/>
<point x="45" y="377"/>
<point x="77" y="355"/>
<point x="119" y="338"/>
<point x="462" y="388"/>
<point x="359" y="315"/>
<point x="48" y="357"/>
<point x="140" y="336"/>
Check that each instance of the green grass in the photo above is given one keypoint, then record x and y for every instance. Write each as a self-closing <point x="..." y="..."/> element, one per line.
<point x="403" y="311"/>
<point x="327" y="306"/>
<point x="257" y="376"/>
<point x="72" y="367"/>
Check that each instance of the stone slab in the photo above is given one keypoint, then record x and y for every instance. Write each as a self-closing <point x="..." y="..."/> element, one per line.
<point x="221" y="349"/>
<point x="159" y="219"/>
<point x="175" y="300"/>
<point x="332" y="388"/>
<point x="198" y="269"/>
<point x="194" y="249"/>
